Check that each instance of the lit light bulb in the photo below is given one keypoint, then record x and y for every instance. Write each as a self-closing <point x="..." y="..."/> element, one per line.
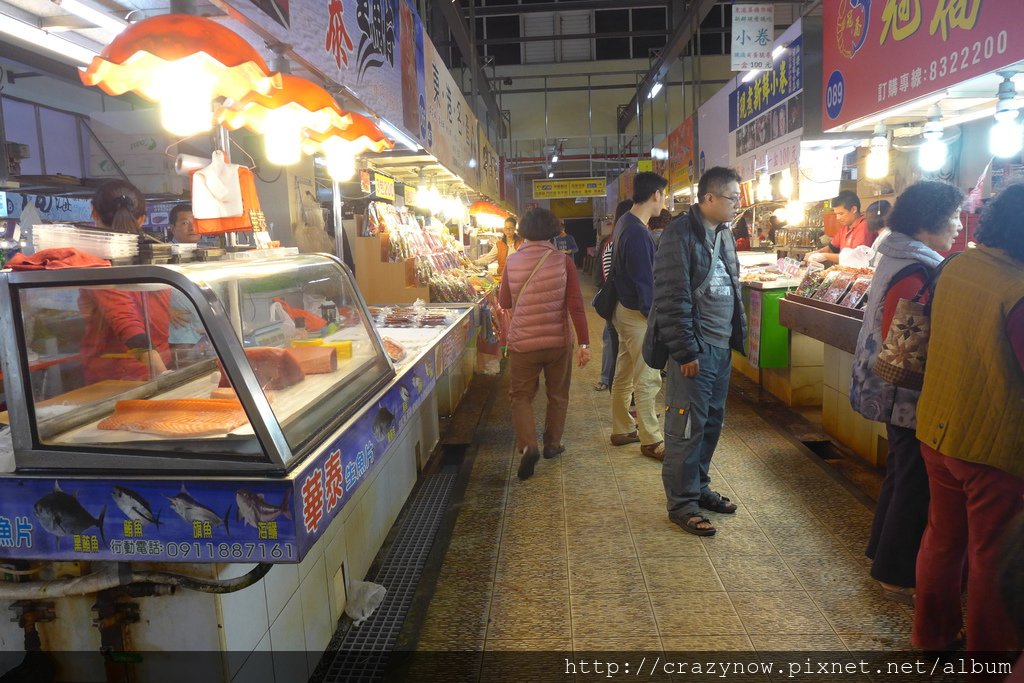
<point x="341" y="163"/>
<point x="876" y="166"/>
<point x="185" y="97"/>
<point x="1006" y="137"/>
<point x="786" y="185"/>
<point x="932" y="155"/>
<point x="764" y="187"/>
<point x="795" y="212"/>
<point x="282" y="137"/>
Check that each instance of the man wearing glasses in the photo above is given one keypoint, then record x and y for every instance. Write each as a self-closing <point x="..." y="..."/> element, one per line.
<point x="700" y="317"/>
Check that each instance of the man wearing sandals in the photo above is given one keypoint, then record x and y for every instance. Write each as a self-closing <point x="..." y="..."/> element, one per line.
<point x="700" y="318"/>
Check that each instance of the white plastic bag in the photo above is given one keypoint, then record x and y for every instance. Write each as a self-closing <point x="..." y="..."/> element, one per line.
<point x="857" y="257"/>
<point x="364" y="598"/>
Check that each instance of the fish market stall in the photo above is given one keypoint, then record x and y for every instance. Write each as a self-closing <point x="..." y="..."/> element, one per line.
<point x="242" y="421"/>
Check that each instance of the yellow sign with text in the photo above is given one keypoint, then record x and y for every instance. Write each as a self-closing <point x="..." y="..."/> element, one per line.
<point x="384" y="186"/>
<point x="569" y="188"/>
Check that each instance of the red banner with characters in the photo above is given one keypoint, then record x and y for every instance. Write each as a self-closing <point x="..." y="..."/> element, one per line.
<point x="879" y="54"/>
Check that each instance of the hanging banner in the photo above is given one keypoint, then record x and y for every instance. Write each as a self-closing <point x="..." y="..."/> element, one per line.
<point x="414" y="100"/>
<point x="753" y="35"/>
<point x="451" y="127"/>
<point x="878" y="55"/>
<point x="569" y="188"/>
<point x="679" y="167"/>
<point x="769" y="88"/>
<point x="353" y="43"/>
<point x="490" y="183"/>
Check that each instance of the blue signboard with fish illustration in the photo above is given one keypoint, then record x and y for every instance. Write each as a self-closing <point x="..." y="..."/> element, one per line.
<point x="252" y="520"/>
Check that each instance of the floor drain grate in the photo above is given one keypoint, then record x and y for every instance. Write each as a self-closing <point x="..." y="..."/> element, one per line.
<point x="362" y="653"/>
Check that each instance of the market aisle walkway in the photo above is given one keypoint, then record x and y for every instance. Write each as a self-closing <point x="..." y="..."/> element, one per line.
<point x="582" y="557"/>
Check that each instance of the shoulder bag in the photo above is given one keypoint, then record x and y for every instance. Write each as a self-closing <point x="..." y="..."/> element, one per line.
<point x="904" y="352"/>
<point x="654" y="351"/>
<point x="607" y="297"/>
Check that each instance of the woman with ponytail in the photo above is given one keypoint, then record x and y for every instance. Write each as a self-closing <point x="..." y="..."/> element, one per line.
<point x="126" y="331"/>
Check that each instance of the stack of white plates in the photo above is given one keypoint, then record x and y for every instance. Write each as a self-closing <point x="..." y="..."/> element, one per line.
<point x="99" y="243"/>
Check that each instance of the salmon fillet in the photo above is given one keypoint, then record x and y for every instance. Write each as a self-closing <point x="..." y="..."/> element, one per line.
<point x="315" y="360"/>
<point x="274" y="368"/>
<point x="185" y="417"/>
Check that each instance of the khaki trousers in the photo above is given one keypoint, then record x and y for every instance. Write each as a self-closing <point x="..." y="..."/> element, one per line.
<point x="634" y="376"/>
<point x="524" y="369"/>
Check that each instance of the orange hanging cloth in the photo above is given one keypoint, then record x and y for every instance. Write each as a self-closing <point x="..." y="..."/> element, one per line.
<point x="252" y="214"/>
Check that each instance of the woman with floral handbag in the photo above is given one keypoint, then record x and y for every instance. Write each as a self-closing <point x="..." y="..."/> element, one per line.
<point x="924" y="222"/>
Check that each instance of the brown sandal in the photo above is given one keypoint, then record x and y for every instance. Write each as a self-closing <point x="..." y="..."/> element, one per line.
<point x="654" y="450"/>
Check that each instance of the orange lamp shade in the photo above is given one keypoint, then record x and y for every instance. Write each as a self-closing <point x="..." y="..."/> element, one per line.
<point x="361" y="134"/>
<point x="482" y="208"/>
<point x="305" y="103"/>
<point x="182" y="62"/>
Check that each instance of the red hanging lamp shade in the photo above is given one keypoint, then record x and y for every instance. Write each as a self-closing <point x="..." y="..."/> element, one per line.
<point x="484" y="208"/>
<point x="307" y="104"/>
<point x="182" y="62"/>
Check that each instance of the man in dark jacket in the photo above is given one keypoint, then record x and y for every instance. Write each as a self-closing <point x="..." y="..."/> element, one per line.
<point x="700" y="317"/>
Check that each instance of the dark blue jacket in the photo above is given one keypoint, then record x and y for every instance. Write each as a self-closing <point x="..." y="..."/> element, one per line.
<point x="633" y="258"/>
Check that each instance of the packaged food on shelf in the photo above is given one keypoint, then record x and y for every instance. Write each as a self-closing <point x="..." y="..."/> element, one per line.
<point x="857" y="296"/>
<point x="812" y="281"/>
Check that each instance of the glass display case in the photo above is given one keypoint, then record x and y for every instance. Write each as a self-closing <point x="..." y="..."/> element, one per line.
<point x="238" y="365"/>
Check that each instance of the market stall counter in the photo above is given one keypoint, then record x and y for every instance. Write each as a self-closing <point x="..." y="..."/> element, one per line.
<point x="246" y="411"/>
<point x="787" y="364"/>
<point x="827" y="306"/>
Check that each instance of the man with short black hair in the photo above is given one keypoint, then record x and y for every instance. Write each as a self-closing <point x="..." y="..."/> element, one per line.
<point x="633" y="255"/>
<point x="700" y="317"/>
<point x="853" y="229"/>
<point x="180" y="223"/>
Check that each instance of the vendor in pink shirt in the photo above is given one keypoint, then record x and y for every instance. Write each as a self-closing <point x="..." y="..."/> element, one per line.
<point x="853" y="229"/>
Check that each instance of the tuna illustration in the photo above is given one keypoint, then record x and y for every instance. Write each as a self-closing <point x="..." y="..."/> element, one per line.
<point x="191" y="510"/>
<point x="134" y="506"/>
<point x="417" y="382"/>
<point x="253" y="508"/>
<point x="383" y="423"/>
<point x="404" y="393"/>
<point x="62" y="515"/>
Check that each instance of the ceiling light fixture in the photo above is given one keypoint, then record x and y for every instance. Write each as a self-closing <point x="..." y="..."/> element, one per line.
<point x="102" y="19"/>
<point x="398" y="136"/>
<point x="182" y="62"/>
<point x="876" y="165"/>
<point x="655" y="89"/>
<point x="48" y="41"/>
<point x="1006" y="138"/>
<point x="933" y="153"/>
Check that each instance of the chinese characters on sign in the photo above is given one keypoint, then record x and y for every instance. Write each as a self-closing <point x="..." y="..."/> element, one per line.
<point x="918" y="48"/>
<point x="753" y="35"/>
<point x="769" y="87"/>
<point x="569" y="188"/>
<point x="338" y="41"/>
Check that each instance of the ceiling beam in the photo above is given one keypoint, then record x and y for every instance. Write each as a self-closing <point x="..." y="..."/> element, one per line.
<point x="570" y="36"/>
<point x="562" y="6"/>
<point x="451" y="14"/>
<point x="691" y="18"/>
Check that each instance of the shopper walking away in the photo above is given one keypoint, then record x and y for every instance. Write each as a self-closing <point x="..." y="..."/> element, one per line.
<point x="543" y="290"/>
<point x="700" y="318"/>
<point x="924" y="222"/>
<point x="610" y="340"/>
<point x="633" y="256"/>
<point x="970" y="420"/>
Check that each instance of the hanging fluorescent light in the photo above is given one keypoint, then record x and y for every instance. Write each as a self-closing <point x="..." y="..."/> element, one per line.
<point x="554" y="159"/>
<point x="932" y="155"/>
<point x="105" y="21"/>
<point x="48" y="41"/>
<point x="397" y="135"/>
<point x="776" y="53"/>
<point x="1006" y="138"/>
<point x="551" y="174"/>
<point x="876" y="165"/>
<point x="749" y="76"/>
<point x="655" y="89"/>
